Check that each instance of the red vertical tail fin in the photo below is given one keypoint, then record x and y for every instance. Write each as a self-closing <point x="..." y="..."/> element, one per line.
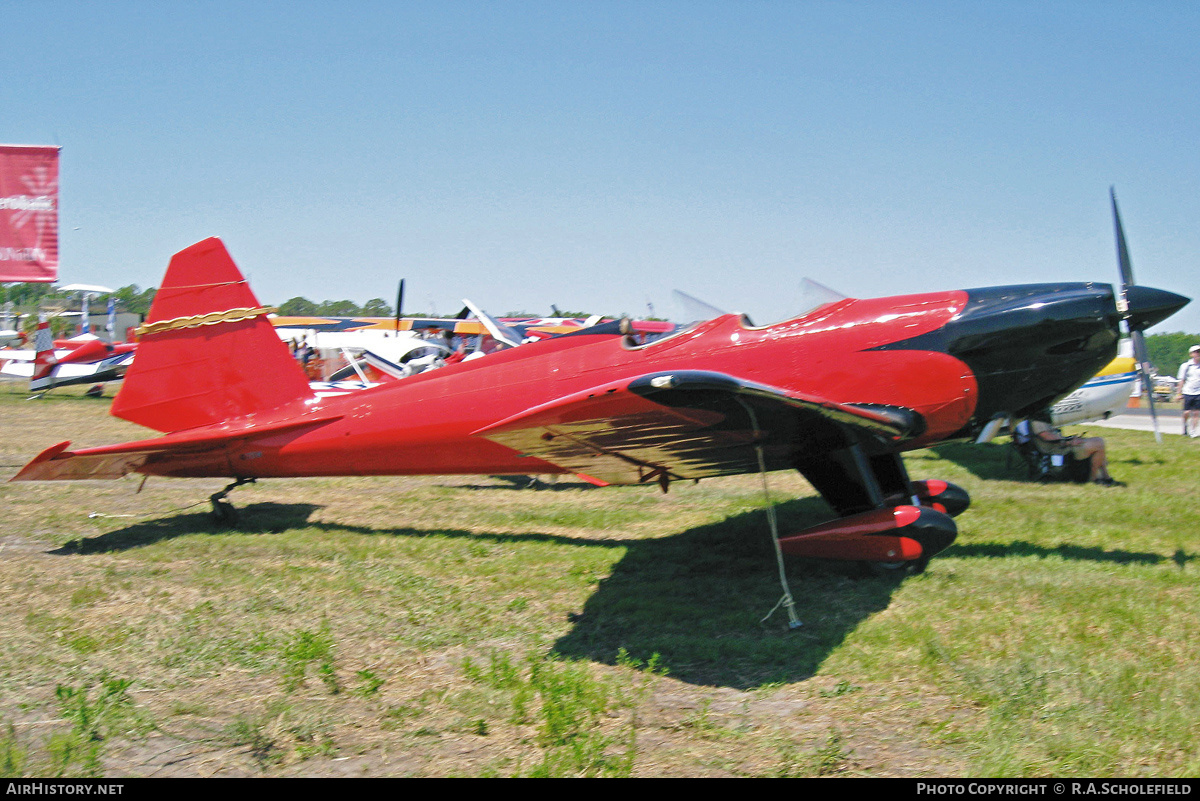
<point x="207" y="352"/>
<point x="43" y="360"/>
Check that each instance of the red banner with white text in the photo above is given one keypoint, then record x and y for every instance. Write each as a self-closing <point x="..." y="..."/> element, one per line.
<point x="28" y="213"/>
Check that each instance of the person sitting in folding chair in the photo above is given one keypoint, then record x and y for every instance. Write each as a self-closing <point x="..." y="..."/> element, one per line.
<point x="1050" y="442"/>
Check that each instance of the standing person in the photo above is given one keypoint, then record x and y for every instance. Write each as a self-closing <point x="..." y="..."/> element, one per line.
<point x="1189" y="389"/>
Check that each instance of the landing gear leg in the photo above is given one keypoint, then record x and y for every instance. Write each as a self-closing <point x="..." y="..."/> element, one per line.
<point x="857" y="484"/>
<point x="222" y="510"/>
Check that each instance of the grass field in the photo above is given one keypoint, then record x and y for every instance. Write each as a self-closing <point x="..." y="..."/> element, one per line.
<point x="472" y="627"/>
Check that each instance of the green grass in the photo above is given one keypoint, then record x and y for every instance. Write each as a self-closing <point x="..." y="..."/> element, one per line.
<point x="464" y="626"/>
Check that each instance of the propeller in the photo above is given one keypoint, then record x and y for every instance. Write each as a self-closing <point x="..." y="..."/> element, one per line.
<point x="498" y="330"/>
<point x="399" y="305"/>
<point x="1134" y="325"/>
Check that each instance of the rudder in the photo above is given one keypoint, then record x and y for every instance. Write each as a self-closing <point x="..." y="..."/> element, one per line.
<point x="44" y="361"/>
<point x="207" y="352"/>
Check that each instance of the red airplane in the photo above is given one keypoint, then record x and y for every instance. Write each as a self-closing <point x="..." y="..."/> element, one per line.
<point x="838" y="394"/>
<point x="60" y="363"/>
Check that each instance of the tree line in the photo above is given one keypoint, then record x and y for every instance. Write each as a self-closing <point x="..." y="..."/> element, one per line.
<point x="303" y="307"/>
<point x="378" y="307"/>
<point x="30" y="298"/>
<point x="1167" y="351"/>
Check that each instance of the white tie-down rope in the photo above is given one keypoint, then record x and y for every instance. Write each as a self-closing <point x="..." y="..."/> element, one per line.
<point x="786" y="601"/>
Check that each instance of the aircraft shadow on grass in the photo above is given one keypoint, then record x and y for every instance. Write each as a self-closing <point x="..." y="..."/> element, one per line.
<point x="259" y="518"/>
<point x="531" y="483"/>
<point x="1000" y="461"/>
<point x="1071" y="552"/>
<point x="695" y="598"/>
<point x="993" y="460"/>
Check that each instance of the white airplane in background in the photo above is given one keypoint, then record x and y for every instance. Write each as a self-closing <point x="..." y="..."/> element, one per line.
<point x="85" y="359"/>
<point x="8" y="326"/>
<point x="402" y="348"/>
<point x="1102" y="396"/>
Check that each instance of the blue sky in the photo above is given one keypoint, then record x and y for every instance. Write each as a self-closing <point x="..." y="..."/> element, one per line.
<point x="597" y="155"/>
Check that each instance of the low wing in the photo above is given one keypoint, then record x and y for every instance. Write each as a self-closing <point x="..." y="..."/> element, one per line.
<point x="65" y="373"/>
<point x="19" y="363"/>
<point x="29" y="355"/>
<point x="688" y="425"/>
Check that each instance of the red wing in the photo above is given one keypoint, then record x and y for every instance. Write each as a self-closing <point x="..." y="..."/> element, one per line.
<point x="689" y="424"/>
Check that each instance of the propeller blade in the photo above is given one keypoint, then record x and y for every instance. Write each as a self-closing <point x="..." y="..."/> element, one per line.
<point x="1143" y="358"/>
<point x="1139" y="344"/>
<point x="399" y="304"/>
<point x="1140" y="308"/>
<point x="1122" y="249"/>
<point x="497" y="329"/>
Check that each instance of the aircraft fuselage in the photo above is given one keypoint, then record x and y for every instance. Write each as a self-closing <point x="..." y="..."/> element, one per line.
<point x="955" y="358"/>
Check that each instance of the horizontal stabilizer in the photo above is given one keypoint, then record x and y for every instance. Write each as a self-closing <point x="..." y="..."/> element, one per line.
<point x="114" y="461"/>
<point x="58" y="464"/>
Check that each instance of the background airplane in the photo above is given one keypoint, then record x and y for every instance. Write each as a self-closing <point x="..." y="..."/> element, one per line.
<point x="416" y="343"/>
<point x="56" y="363"/>
<point x="337" y="347"/>
<point x="1103" y="395"/>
